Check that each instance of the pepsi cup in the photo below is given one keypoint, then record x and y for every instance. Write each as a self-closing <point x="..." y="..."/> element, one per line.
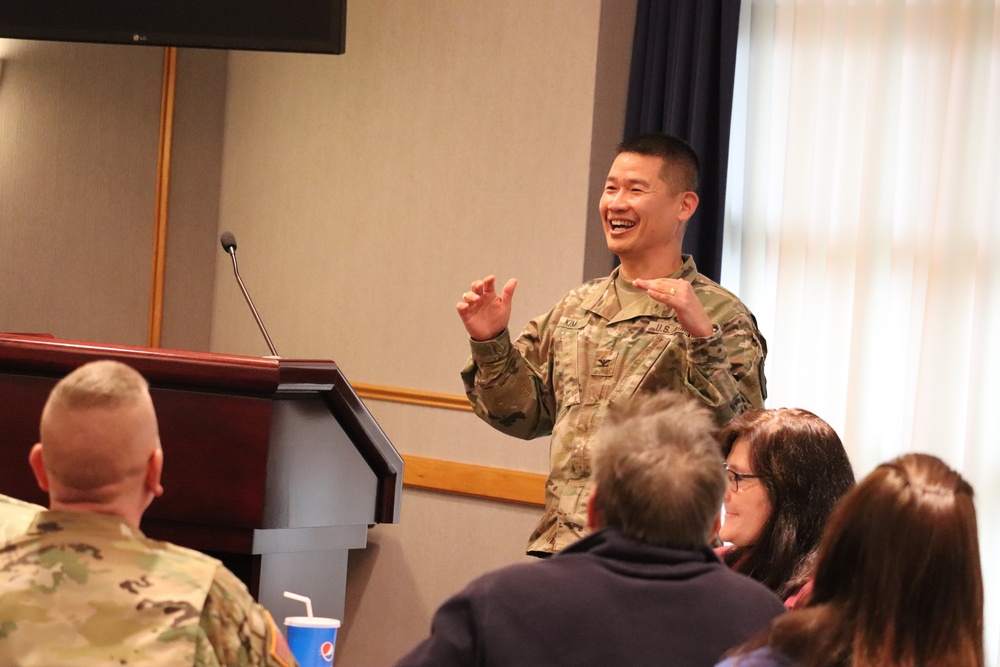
<point x="312" y="639"/>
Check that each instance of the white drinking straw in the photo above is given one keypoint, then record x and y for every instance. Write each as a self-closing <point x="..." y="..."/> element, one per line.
<point x="302" y="598"/>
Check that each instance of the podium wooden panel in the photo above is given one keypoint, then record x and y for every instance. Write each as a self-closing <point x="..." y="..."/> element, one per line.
<point x="273" y="465"/>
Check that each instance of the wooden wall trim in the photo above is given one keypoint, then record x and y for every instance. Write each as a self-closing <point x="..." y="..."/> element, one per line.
<point x="429" y="399"/>
<point x="155" y="328"/>
<point x="515" y="486"/>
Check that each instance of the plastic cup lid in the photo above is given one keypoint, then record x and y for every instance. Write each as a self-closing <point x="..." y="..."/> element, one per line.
<point x="312" y="622"/>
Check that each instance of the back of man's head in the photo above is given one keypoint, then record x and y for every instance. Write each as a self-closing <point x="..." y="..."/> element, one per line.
<point x="681" y="166"/>
<point x="98" y="433"/>
<point x="658" y="471"/>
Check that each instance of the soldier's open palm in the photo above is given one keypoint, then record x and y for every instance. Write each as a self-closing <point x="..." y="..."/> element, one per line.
<point x="485" y="312"/>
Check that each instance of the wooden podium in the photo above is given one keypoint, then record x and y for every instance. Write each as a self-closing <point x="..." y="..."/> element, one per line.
<point x="275" y="466"/>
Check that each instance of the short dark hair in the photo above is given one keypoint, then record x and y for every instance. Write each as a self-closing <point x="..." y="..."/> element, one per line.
<point x="681" y="166"/>
<point x="658" y="470"/>
<point x="898" y="581"/>
<point x="805" y="471"/>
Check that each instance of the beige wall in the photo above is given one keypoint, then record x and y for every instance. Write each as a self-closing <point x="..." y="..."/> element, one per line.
<point x="77" y="188"/>
<point x="79" y="133"/>
<point x="194" y="187"/>
<point x="452" y="140"/>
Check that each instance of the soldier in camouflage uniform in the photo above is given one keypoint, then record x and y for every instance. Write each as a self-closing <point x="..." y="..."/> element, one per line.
<point x="654" y="323"/>
<point x="83" y="585"/>
<point x="15" y="516"/>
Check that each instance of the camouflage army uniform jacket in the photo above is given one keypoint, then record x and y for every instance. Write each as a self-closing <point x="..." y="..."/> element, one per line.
<point x="15" y="516"/>
<point x="569" y="365"/>
<point x="88" y="589"/>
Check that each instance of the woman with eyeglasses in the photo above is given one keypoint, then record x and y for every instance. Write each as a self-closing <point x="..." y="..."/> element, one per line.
<point x="787" y="468"/>
<point x="898" y="580"/>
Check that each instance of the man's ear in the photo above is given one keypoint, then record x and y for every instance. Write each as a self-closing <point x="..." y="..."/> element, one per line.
<point x="689" y="204"/>
<point x="38" y="467"/>
<point x="595" y="518"/>
<point x="154" y="472"/>
<point x="716" y="527"/>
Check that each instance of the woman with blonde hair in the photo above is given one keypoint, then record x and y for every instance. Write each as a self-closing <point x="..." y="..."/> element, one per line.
<point x="898" y="581"/>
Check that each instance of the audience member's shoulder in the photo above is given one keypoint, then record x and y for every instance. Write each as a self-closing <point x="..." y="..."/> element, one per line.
<point x="237" y="627"/>
<point x="744" y="591"/>
<point x="228" y="588"/>
<point x="741" y="584"/>
<point x="7" y="503"/>
<point x="761" y="657"/>
<point x="15" y="516"/>
<point x="517" y="580"/>
<point x="182" y="554"/>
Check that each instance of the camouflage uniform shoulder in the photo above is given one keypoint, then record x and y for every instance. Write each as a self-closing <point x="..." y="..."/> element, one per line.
<point x="239" y="630"/>
<point x="588" y="289"/>
<point x="15" y="516"/>
<point x="9" y="502"/>
<point x="586" y="296"/>
<point x="72" y="572"/>
<point x="714" y="297"/>
<point x="590" y="295"/>
<point x="184" y="552"/>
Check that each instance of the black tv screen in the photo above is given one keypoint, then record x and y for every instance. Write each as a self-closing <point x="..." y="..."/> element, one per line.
<point x="309" y="26"/>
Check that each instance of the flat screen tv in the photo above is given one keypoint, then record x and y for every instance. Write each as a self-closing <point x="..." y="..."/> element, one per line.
<point x="308" y="26"/>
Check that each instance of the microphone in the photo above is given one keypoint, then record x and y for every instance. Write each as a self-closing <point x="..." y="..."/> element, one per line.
<point x="228" y="241"/>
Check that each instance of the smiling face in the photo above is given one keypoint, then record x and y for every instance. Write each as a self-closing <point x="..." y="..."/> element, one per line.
<point x="748" y="509"/>
<point x="643" y="214"/>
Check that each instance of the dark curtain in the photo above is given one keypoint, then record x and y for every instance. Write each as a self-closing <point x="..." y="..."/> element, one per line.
<point x="681" y="83"/>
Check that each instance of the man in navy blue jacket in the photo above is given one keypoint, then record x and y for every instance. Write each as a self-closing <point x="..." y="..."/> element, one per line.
<point x="643" y="589"/>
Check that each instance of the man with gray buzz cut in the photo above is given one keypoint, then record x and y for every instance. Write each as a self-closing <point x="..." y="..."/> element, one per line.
<point x="644" y="588"/>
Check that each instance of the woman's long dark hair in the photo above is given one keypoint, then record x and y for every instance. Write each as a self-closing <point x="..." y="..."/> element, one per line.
<point x="898" y="579"/>
<point x="805" y="471"/>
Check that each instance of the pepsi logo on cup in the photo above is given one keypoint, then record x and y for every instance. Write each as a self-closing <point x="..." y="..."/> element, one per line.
<point x="326" y="651"/>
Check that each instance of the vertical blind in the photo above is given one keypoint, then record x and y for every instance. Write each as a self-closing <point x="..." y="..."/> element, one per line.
<point x="863" y="228"/>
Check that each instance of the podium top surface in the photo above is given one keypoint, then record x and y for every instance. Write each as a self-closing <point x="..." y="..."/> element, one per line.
<point x="45" y="355"/>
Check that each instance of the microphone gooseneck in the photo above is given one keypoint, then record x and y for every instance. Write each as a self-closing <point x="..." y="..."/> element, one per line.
<point x="228" y="241"/>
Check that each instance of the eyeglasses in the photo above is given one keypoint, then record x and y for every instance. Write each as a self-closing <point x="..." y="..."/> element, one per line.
<point x="736" y="477"/>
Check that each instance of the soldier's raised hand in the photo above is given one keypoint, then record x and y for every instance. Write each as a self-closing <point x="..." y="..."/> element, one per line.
<point x="679" y="295"/>
<point x="485" y="312"/>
